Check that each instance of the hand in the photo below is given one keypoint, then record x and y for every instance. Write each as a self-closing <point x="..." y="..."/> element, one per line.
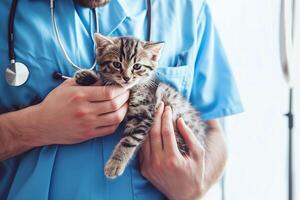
<point x="72" y="114"/>
<point x="175" y="175"/>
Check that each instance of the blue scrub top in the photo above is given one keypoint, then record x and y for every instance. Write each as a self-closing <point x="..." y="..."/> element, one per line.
<point x="193" y="62"/>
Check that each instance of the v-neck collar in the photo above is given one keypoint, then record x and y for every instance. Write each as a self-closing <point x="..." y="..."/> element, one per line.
<point x="133" y="8"/>
<point x="111" y="17"/>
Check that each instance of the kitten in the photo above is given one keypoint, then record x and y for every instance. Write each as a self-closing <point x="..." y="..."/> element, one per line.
<point x="131" y="63"/>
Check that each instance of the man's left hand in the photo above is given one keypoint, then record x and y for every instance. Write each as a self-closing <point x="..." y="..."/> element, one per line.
<point x="177" y="176"/>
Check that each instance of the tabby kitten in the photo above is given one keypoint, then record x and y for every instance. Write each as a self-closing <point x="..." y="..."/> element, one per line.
<point x="131" y="63"/>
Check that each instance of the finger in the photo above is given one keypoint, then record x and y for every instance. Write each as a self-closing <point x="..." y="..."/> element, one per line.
<point x="102" y="93"/>
<point x="98" y="83"/>
<point x="155" y="132"/>
<point x="102" y="131"/>
<point x="168" y="134"/>
<point x="110" y="105"/>
<point x="68" y="82"/>
<point x="112" y="118"/>
<point x="72" y="82"/>
<point x="188" y="136"/>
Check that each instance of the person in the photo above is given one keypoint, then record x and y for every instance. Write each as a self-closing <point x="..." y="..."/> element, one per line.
<point x="56" y="136"/>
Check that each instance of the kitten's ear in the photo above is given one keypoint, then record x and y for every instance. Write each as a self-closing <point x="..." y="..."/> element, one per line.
<point x="155" y="48"/>
<point x="102" y="41"/>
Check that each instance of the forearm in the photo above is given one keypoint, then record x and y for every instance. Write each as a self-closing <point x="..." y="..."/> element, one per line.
<point x="16" y="132"/>
<point x="215" y="158"/>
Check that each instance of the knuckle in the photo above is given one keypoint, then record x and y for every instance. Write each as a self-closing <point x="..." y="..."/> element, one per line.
<point x="77" y="96"/>
<point x="81" y="112"/>
<point x="109" y="94"/>
<point x="114" y="105"/>
<point x="172" y="163"/>
<point x="167" y="132"/>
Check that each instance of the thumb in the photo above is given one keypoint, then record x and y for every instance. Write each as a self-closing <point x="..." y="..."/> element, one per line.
<point x="72" y="82"/>
<point x="68" y="82"/>
<point x="190" y="139"/>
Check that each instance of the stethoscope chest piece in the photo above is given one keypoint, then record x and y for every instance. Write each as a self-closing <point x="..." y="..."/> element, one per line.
<point x="16" y="74"/>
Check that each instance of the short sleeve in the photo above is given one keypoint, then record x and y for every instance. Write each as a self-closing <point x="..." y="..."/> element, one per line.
<point x="214" y="92"/>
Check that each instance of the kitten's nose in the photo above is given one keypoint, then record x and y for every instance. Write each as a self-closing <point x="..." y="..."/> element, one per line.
<point x="126" y="78"/>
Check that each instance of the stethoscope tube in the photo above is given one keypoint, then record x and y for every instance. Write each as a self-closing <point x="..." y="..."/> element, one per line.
<point x="59" y="76"/>
<point x="149" y="16"/>
<point x="67" y="57"/>
<point x="11" y="36"/>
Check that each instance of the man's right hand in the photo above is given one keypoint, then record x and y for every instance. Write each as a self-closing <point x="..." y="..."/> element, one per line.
<point x="72" y="114"/>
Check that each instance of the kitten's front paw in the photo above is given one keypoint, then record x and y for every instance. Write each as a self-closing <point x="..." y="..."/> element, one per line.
<point x="114" y="168"/>
<point x="86" y="77"/>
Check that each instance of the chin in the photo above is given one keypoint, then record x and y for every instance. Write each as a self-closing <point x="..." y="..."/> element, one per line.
<point x="92" y="3"/>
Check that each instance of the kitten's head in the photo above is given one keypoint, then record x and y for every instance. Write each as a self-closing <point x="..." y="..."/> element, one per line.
<point x="127" y="61"/>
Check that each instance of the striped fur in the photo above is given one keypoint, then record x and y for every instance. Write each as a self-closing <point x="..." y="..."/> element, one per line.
<point x="146" y="94"/>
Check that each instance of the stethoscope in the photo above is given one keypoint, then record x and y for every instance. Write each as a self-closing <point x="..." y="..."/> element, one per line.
<point x="17" y="73"/>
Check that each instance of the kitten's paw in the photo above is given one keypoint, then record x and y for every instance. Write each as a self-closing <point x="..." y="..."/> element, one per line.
<point x="86" y="77"/>
<point x="114" y="168"/>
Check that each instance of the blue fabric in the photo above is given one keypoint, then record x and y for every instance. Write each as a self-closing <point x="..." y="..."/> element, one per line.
<point x="193" y="62"/>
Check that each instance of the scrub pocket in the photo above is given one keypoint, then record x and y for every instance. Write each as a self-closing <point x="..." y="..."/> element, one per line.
<point x="179" y="77"/>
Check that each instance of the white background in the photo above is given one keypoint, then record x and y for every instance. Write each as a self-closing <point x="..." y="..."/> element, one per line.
<point x="257" y="139"/>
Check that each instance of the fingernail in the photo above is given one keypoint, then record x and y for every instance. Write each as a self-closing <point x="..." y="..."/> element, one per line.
<point x="182" y="121"/>
<point x="168" y="108"/>
<point x="161" y="105"/>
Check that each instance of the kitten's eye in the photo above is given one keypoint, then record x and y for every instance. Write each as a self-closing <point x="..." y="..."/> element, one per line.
<point x="117" y="65"/>
<point x="137" y="66"/>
